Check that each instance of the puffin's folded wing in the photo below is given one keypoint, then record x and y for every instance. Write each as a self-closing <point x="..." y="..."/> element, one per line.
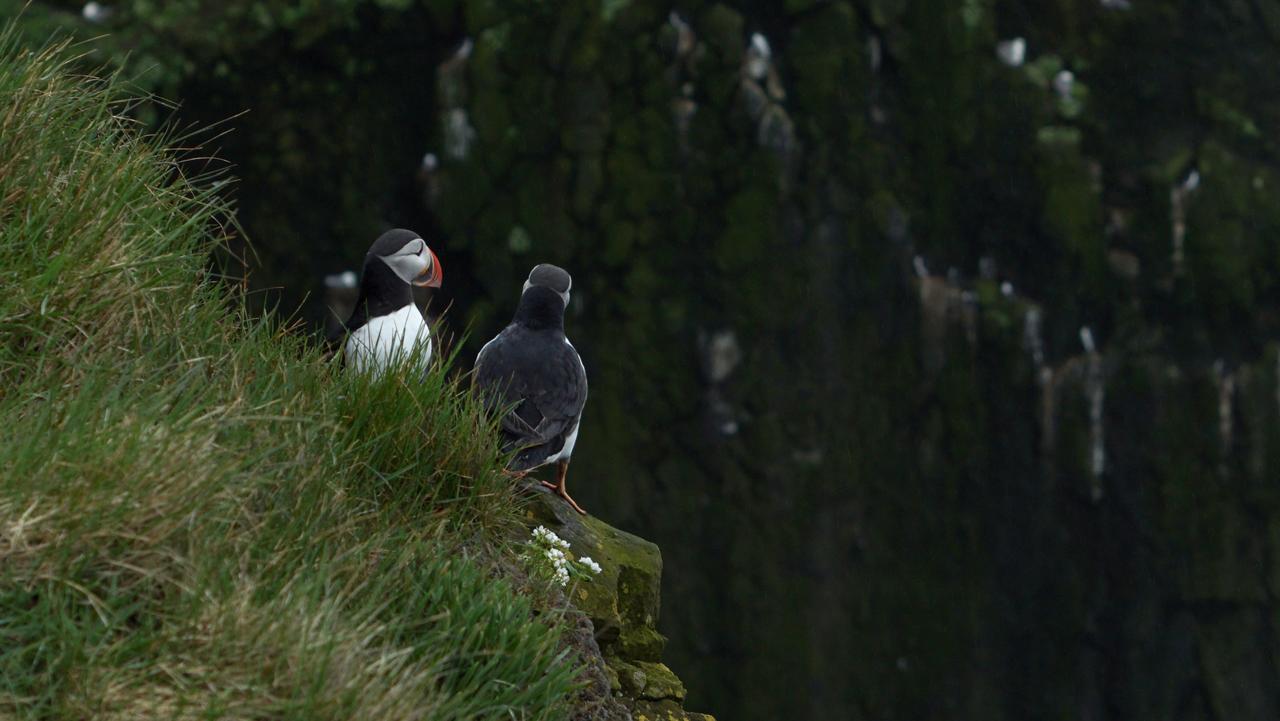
<point x="544" y="385"/>
<point x="554" y="393"/>
<point x="503" y="381"/>
<point x="493" y="374"/>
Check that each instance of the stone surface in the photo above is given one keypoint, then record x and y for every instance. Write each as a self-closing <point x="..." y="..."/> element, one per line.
<point x="622" y="603"/>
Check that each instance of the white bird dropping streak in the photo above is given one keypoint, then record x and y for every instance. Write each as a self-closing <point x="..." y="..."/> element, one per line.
<point x="458" y="134"/>
<point x="1178" y="216"/>
<point x="345" y="279"/>
<point x="1033" y="341"/>
<point x="1063" y="82"/>
<point x="918" y="264"/>
<point x="685" y="39"/>
<point x="761" y="45"/>
<point x="722" y="355"/>
<point x="759" y="55"/>
<point x="1192" y="182"/>
<point x="1012" y="52"/>
<point x="1095" y="393"/>
<point x="1031" y="336"/>
<point x="1086" y="339"/>
<point x="1226" y="398"/>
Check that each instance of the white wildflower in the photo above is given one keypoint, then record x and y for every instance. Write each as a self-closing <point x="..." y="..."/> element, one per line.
<point x="549" y="538"/>
<point x="586" y="561"/>
<point x="549" y="550"/>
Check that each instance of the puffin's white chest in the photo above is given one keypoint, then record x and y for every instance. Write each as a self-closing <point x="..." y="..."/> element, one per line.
<point x="389" y="339"/>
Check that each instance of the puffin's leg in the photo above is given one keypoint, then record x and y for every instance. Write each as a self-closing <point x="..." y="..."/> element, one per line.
<point x="562" y="470"/>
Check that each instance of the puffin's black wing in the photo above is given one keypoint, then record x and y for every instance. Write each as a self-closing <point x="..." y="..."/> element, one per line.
<point x="540" y="377"/>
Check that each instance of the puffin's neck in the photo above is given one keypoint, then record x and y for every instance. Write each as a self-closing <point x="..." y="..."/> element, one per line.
<point x="541" y="309"/>
<point x="381" y="290"/>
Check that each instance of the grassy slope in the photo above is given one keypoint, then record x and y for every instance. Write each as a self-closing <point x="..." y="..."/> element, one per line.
<point x="199" y="516"/>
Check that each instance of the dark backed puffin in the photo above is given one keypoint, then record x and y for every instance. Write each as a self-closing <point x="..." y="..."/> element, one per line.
<point x="386" y="325"/>
<point x="533" y="369"/>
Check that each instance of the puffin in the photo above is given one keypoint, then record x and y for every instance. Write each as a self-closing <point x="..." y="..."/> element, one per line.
<point x="532" y="371"/>
<point x="386" y="325"/>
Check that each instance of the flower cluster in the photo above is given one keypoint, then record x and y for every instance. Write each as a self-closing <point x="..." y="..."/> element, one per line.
<point x="546" y="554"/>
<point x="548" y="538"/>
<point x="559" y="566"/>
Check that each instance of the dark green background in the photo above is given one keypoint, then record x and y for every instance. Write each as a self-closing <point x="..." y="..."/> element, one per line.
<point x="907" y="522"/>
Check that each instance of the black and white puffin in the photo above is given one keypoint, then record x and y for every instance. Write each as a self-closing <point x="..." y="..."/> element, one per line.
<point x="533" y="369"/>
<point x="386" y="325"/>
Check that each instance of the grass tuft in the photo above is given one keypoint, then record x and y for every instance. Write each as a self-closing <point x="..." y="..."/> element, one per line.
<point x="200" y="515"/>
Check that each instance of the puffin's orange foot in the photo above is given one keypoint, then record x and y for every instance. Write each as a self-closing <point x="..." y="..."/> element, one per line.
<point x="550" y="485"/>
<point x="561" y="486"/>
<point x="572" y="502"/>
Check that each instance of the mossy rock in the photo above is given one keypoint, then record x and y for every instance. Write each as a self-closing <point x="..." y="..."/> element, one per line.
<point x="665" y="711"/>
<point x="623" y="600"/>
<point x="648" y="681"/>
<point x="622" y="603"/>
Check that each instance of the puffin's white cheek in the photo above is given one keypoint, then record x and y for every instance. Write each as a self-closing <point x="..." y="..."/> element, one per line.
<point x="407" y="267"/>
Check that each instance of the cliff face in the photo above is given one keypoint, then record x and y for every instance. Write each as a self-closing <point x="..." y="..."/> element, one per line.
<point x="1031" y="485"/>
<point x="887" y="484"/>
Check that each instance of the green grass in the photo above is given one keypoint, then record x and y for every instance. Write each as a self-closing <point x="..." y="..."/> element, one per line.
<point x="200" y="516"/>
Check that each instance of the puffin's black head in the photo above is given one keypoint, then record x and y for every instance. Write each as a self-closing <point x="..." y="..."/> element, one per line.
<point x="546" y="275"/>
<point x="545" y="296"/>
<point x="395" y="260"/>
<point x="408" y="256"/>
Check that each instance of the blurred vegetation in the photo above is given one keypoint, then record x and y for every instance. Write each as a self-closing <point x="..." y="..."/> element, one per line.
<point x="889" y="505"/>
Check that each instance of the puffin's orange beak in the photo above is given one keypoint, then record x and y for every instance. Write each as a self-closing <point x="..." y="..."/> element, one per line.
<point x="433" y="275"/>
